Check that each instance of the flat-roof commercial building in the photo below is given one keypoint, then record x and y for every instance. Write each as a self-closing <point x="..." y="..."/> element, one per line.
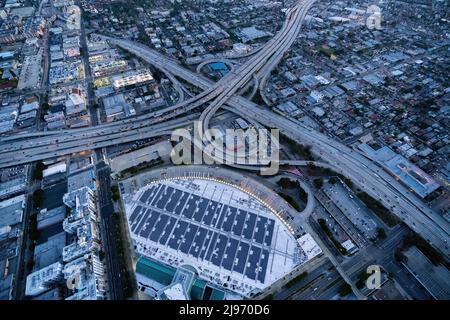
<point x="77" y="262"/>
<point x="82" y="255"/>
<point x="80" y="179"/>
<point x="131" y="78"/>
<point x="158" y="150"/>
<point x="56" y="168"/>
<point x="42" y="280"/>
<point x="6" y="287"/>
<point x="50" y="251"/>
<point x="116" y="107"/>
<point x="13" y="180"/>
<point x="108" y="66"/>
<point x="30" y="106"/>
<point x="8" y="116"/>
<point x="46" y="218"/>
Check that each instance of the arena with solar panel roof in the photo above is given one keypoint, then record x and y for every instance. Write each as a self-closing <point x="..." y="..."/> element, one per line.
<point x="231" y="237"/>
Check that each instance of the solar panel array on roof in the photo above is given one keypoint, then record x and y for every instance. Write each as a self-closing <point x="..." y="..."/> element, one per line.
<point x="228" y="237"/>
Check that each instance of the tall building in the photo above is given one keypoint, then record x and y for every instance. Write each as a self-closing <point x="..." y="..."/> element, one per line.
<point x="81" y="268"/>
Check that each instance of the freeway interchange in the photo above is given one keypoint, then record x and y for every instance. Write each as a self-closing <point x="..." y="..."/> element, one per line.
<point x="368" y="176"/>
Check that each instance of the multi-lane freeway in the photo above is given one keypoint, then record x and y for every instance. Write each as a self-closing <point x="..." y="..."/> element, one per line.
<point x="366" y="174"/>
<point x="278" y="45"/>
